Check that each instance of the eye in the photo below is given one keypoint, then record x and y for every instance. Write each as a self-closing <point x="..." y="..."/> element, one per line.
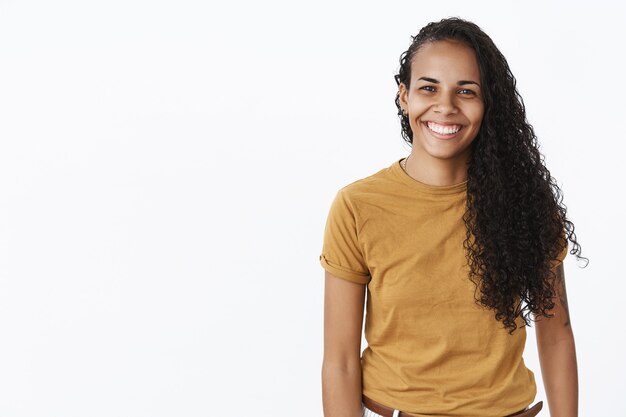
<point x="465" y="91"/>
<point x="429" y="88"/>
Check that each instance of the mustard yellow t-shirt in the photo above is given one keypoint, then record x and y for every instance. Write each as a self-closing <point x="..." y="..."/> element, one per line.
<point x="432" y="351"/>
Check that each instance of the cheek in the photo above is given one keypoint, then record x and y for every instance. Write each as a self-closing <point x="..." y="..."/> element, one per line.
<point x="418" y="104"/>
<point x="415" y="112"/>
<point x="476" y="115"/>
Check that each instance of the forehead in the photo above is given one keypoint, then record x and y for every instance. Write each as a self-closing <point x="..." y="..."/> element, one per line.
<point x="445" y="60"/>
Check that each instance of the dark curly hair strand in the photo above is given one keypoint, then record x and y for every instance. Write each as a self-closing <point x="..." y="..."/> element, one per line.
<point x="515" y="217"/>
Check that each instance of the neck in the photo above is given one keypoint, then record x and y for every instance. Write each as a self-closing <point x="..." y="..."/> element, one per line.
<point x="437" y="172"/>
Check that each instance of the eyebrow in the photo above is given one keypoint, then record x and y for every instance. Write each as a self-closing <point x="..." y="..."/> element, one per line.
<point x="462" y="82"/>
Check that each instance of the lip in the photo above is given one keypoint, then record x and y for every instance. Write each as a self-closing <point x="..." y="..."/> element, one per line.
<point x="442" y="123"/>
<point x="442" y="136"/>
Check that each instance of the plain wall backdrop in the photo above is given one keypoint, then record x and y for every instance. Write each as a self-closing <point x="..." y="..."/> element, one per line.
<point x="166" y="169"/>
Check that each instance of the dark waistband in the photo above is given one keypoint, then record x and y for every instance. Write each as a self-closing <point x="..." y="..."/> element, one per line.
<point x="385" y="411"/>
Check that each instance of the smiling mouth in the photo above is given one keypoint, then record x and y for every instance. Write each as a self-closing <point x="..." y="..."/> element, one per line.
<point x="445" y="130"/>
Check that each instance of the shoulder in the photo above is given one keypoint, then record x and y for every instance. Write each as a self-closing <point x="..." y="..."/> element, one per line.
<point x="367" y="187"/>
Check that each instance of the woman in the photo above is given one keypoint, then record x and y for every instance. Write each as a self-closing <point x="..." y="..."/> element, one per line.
<point x="458" y="246"/>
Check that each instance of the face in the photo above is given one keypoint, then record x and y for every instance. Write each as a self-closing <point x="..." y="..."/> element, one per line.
<point x="444" y="102"/>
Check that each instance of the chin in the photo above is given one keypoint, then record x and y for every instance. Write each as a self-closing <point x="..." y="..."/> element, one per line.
<point x="446" y="153"/>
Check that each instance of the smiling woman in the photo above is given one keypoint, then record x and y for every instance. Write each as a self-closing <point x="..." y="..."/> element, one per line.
<point x="458" y="247"/>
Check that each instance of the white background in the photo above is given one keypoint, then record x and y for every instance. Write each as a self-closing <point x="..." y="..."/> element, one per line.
<point x="166" y="169"/>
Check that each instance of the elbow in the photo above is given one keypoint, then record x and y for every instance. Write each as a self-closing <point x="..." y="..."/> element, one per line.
<point x="344" y="366"/>
<point x="555" y="338"/>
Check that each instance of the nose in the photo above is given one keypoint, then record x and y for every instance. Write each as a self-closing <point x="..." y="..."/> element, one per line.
<point x="445" y="104"/>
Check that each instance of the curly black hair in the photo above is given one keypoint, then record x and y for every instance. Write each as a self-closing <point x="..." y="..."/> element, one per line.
<point x="515" y="217"/>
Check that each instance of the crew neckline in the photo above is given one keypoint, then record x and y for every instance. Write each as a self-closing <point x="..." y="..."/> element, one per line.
<point x="458" y="188"/>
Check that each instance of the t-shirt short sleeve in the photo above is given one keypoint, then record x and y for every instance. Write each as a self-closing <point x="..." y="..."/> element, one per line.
<point x="341" y="252"/>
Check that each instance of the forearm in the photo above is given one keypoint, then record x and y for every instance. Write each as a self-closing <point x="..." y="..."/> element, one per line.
<point x="341" y="391"/>
<point x="560" y="376"/>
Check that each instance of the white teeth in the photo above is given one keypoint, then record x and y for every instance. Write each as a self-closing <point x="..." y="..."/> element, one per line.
<point x="443" y="130"/>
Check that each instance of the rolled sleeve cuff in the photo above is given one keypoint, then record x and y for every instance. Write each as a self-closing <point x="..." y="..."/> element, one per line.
<point x="342" y="272"/>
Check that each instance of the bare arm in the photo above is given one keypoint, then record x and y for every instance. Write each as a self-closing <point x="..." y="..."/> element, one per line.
<point x="341" y="368"/>
<point x="557" y="355"/>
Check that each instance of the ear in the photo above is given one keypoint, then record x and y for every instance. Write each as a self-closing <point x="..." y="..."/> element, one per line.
<point x="404" y="99"/>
